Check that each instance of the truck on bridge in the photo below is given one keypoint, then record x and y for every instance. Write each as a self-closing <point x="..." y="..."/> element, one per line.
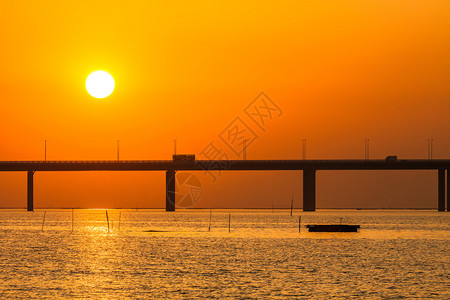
<point x="184" y="157"/>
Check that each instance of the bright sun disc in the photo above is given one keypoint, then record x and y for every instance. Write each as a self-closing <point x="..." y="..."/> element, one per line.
<point x="100" y="84"/>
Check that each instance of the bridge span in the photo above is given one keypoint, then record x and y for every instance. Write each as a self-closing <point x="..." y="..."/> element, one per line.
<point x="308" y="167"/>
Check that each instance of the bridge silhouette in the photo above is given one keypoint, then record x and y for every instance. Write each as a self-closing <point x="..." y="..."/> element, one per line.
<point x="308" y="167"/>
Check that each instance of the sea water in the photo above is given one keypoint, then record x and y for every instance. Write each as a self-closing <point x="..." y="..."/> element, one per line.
<point x="222" y="254"/>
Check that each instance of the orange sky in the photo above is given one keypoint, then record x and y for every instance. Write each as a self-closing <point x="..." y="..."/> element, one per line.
<point x="341" y="71"/>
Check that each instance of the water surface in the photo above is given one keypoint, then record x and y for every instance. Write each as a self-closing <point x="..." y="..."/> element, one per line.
<point x="258" y="254"/>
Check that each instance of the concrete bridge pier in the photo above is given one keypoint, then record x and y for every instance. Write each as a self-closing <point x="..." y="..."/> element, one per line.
<point x="30" y="191"/>
<point x="441" y="190"/>
<point x="170" y="190"/>
<point x="448" y="190"/>
<point x="309" y="190"/>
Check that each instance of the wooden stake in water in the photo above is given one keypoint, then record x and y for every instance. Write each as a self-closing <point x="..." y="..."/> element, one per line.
<point x="43" y="220"/>
<point x="72" y="219"/>
<point x="292" y="204"/>
<point x="120" y="215"/>
<point x="210" y="214"/>
<point x="299" y="222"/>
<point x="107" y="219"/>
<point x="229" y="223"/>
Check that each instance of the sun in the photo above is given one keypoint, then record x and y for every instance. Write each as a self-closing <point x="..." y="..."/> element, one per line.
<point x="100" y="84"/>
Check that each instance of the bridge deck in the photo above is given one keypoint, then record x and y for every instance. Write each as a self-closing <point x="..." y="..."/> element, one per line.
<point x="237" y="165"/>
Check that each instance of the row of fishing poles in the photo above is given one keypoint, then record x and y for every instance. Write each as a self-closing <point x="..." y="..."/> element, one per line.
<point x="107" y="220"/>
<point x="209" y="226"/>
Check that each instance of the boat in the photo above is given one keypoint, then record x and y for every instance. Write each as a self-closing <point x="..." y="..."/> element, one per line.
<point x="333" y="228"/>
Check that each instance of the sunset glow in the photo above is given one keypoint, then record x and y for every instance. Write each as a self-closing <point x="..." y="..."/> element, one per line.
<point x="234" y="149"/>
<point x="340" y="73"/>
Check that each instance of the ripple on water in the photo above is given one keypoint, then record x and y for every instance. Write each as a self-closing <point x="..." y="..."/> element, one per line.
<point x="395" y="255"/>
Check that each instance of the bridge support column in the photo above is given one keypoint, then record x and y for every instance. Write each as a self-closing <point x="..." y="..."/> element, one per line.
<point x="30" y="191"/>
<point x="441" y="190"/>
<point x="309" y="190"/>
<point x="448" y="190"/>
<point x="170" y="190"/>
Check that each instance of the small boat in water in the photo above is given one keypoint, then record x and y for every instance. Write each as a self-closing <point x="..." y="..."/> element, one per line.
<point x="333" y="228"/>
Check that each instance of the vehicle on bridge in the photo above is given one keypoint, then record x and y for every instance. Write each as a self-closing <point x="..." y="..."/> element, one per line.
<point x="184" y="157"/>
<point x="391" y="158"/>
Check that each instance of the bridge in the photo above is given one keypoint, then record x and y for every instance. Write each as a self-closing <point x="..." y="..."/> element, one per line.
<point x="308" y="167"/>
